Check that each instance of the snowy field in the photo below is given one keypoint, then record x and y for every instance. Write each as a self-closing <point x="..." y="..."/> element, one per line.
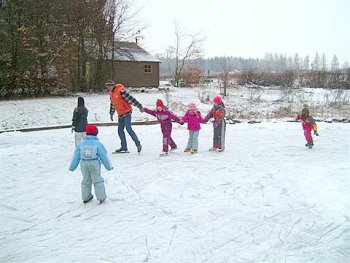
<point x="267" y="198"/>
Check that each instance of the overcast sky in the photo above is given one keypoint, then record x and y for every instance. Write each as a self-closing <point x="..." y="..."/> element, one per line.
<point x="252" y="28"/>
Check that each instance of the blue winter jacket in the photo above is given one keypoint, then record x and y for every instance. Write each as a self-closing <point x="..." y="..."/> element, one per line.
<point x="90" y="149"/>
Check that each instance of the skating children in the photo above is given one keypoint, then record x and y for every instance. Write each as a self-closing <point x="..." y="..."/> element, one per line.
<point x="90" y="153"/>
<point x="308" y="124"/>
<point x="164" y="116"/>
<point x="193" y="118"/>
<point x="218" y="113"/>
<point x="79" y="121"/>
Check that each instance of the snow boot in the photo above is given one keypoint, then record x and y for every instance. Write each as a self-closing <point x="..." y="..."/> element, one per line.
<point x="87" y="201"/>
<point x="163" y="154"/>
<point x="193" y="151"/>
<point x="187" y="150"/>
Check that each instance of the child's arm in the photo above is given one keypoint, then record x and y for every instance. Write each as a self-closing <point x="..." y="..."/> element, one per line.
<point x="151" y="112"/>
<point x="75" y="118"/>
<point x="209" y="116"/>
<point x="314" y="125"/>
<point x="185" y="117"/>
<point x="102" y="153"/>
<point x="76" y="160"/>
<point x="172" y="116"/>
<point x="201" y="120"/>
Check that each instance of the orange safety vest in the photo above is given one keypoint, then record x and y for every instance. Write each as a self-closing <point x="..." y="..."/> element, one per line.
<point x="120" y="104"/>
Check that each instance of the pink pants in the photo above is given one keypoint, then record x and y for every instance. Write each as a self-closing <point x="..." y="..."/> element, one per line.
<point x="307" y="134"/>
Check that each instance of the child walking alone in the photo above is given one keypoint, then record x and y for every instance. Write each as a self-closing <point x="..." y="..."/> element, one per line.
<point x="90" y="153"/>
<point x="79" y="121"/>
<point x="218" y="113"/>
<point x="308" y="124"/>
<point x="164" y="116"/>
<point x="194" y="119"/>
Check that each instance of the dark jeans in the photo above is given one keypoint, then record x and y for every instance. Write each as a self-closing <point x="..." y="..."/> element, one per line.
<point x="125" y="122"/>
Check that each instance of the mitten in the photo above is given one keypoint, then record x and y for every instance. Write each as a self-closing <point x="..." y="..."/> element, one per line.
<point x="111" y="117"/>
<point x="316" y="133"/>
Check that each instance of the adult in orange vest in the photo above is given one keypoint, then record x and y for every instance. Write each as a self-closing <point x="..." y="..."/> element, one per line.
<point x="121" y="102"/>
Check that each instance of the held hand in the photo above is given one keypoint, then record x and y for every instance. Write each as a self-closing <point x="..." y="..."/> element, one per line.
<point x="142" y="110"/>
<point x="316" y="133"/>
<point x="111" y="117"/>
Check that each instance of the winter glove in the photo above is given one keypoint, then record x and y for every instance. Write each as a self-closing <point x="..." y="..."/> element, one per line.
<point x="181" y="123"/>
<point x="316" y="133"/>
<point x="72" y="129"/>
<point x="111" y="117"/>
<point x="142" y="110"/>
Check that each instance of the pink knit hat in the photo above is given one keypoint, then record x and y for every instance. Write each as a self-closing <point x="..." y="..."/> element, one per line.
<point x="217" y="100"/>
<point x="192" y="107"/>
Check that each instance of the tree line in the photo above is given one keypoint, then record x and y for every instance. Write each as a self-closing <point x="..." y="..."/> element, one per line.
<point x="272" y="69"/>
<point x="49" y="46"/>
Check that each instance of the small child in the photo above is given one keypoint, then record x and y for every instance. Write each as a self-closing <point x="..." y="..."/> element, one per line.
<point x="308" y="124"/>
<point x="218" y="113"/>
<point x="193" y="118"/>
<point x="79" y="121"/>
<point x="90" y="153"/>
<point x="164" y="116"/>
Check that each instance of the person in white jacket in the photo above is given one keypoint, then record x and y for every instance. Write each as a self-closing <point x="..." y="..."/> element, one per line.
<point x="90" y="153"/>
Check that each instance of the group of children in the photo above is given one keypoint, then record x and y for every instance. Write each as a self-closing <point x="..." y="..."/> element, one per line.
<point x="90" y="152"/>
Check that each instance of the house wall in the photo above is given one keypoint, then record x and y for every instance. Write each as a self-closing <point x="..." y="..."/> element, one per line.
<point x="132" y="74"/>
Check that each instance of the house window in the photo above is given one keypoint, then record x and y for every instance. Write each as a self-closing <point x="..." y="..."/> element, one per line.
<point x="148" y="69"/>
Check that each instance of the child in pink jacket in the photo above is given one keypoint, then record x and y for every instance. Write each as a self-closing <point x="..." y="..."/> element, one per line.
<point x="193" y="118"/>
<point x="164" y="116"/>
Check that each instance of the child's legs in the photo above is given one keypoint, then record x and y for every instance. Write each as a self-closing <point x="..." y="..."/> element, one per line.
<point x="195" y="140"/>
<point x="78" y="137"/>
<point x="97" y="180"/>
<point x="190" y="140"/>
<point x="217" y="137"/>
<point x="86" y="182"/>
<point x="307" y="134"/>
<point x="222" y="136"/>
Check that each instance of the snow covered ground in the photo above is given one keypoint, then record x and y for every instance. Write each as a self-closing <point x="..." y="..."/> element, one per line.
<point x="267" y="198"/>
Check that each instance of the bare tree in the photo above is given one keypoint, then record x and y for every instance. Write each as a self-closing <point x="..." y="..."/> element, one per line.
<point x="225" y="75"/>
<point x="187" y="46"/>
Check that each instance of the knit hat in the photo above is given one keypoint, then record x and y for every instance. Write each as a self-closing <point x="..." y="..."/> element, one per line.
<point x="305" y="111"/>
<point x="192" y="107"/>
<point x="217" y="100"/>
<point x="109" y="82"/>
<point x="91" y="130"/>
<point x="159" y="103"/>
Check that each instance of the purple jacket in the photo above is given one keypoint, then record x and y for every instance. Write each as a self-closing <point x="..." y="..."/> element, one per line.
<point x="193" y="119"/>
<point x="164" y="117"/>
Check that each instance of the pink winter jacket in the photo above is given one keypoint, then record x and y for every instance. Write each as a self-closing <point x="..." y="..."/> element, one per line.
<point x="193" y="119"/>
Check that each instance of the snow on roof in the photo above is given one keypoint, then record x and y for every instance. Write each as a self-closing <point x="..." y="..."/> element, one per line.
<point x="129" y="51"/>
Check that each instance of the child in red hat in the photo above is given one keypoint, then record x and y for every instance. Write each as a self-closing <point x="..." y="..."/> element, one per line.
<point x="90" y="153"/>
<point x="164" y="116"/>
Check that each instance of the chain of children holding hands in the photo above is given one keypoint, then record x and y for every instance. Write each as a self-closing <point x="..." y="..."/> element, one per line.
<point x="90" y="153"/>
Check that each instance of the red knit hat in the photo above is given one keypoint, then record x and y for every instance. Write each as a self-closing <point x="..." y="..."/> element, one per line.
<point x="91" y="130"/>
<point x="217" y="100"/>
<point x="160" y="103"/>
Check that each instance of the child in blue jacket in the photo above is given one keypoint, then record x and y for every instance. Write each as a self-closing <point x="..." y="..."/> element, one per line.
<point x="90" y="153"/>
